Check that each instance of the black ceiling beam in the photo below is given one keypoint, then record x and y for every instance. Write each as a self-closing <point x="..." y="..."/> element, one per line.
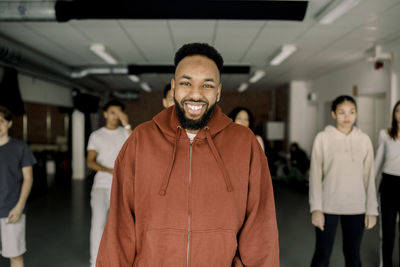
<point x="142" y="69"/>
<point x="181" y="9"/>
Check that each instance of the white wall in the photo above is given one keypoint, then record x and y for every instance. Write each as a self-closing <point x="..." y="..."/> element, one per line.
<point x="394" y="48"/>
<point x="43" y="92"/>
<point x="302" y="115"/>
<point x="40" y="91"/>
<point x="371" y="83"/>
<point x="306" y="118"/>
<point x="362" y="74"/>
<point x="372" y="115"/>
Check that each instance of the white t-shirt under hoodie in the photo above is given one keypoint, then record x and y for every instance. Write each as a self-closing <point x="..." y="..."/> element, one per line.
<point x="342" y="173"/>
<point x="387" y="157"/>
<point x="107" y="144"/>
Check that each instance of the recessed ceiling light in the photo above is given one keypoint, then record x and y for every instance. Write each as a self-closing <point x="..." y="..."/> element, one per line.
<point x="328" y="15"/>
<point x="285" y="52"/>
<point x="257" y="76"/>
<point x="372" y="28"/>
<point x="243" y="87"/>
<point x="101" y="51"/>
<point x="145" y="86"/>
<point x="134" y="78"/>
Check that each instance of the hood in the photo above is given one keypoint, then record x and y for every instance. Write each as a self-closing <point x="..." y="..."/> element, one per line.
<point x="338" y="134"/>
<point x="167" y="122"/>
<point x="348" y="140"/>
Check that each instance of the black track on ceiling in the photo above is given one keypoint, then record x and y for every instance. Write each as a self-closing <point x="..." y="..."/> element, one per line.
<point x="142" y="69"/>
<point x="181" y="9"/>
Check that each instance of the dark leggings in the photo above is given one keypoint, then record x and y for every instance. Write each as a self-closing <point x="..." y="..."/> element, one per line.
<point x="352" y="228"/>
<point x="390" y="207"/>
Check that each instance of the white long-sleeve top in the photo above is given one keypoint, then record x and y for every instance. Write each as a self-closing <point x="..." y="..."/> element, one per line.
<point x="387" y="157"/>
<point x="342" y="173"/>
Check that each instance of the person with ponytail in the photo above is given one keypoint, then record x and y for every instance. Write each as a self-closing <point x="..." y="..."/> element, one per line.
<point x="387" y="161"/>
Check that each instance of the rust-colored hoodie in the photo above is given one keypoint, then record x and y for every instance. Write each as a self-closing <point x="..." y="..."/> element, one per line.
<point x="173" y="204"/>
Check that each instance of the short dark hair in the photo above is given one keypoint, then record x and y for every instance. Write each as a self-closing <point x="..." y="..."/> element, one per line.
<point x="167" y="88"/>
<point x="233" y="114"/>
<point x="340" y="99"/>
<point x="6" y="113"/>
<point x="113" y="103"/>
<point x="202" y="49"/>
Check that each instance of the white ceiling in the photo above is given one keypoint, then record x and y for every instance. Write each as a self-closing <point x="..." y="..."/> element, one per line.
<point x="320" y="48"/>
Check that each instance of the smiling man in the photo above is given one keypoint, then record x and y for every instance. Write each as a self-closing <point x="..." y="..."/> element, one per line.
<point x="190" y="187"/>
<point x="196" y="88"/>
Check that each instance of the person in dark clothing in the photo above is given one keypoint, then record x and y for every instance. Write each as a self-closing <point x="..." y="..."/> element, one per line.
<point x="387" y="173"/>
<point x="299" y="159"/>
<point x="16" y="178"/>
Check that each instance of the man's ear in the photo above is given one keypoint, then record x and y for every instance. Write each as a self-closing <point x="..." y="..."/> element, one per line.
<point x="10" y="123"/>
<point x="219" y="92"/>
<point x="173" y="87"/>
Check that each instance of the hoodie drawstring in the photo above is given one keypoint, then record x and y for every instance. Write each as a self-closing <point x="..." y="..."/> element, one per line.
<point x="349" y="146"/>
<point x="220" y="163"/>
<point x="215" y="153"/>
<point x="167" y="176"/>
<point x="351" y="150"/>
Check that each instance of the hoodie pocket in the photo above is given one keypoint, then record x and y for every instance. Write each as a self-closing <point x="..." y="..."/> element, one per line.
<point x="213" y="248"/>
<point x="163" y="248"/>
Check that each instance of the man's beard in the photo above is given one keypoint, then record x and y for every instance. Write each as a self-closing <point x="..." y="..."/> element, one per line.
<point x="189" y="124"/>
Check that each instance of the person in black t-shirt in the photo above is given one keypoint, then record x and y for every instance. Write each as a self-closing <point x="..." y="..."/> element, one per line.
<point x="16" y="160"/>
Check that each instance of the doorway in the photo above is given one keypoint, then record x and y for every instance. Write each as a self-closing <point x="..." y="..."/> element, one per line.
<point x="372" y="115"/>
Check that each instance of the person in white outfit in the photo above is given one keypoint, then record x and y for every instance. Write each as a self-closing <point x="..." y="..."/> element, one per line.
<point x="387" y="161"/>
<point x="342" y="185"/>
<point x="103" y="148"/>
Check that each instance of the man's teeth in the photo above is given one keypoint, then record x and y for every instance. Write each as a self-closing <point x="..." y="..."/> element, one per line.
<point x="194" y="107"/>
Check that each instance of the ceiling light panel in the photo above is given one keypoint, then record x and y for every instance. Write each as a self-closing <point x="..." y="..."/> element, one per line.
<point x="258" y="75"/>
<point x="328" y="15"/>
<point x="286" y="51"/>
<point x="243" y="87"/>
<point x="101" y="51"/>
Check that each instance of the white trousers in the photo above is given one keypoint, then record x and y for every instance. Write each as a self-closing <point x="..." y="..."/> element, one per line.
<point x="100" y="203"/>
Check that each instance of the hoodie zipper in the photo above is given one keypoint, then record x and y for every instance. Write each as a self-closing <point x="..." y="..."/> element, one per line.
<point x="189" y="205"/>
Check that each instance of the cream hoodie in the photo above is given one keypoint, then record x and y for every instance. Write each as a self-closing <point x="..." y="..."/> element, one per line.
<point x="342" y="173"/>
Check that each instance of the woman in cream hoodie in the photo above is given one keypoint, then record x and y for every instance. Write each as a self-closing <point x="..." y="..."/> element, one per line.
<point x="387" y="160"/>
<point x="342" y="185"/>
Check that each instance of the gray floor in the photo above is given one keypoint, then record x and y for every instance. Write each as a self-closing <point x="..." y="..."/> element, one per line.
<point x="58" y="224"/>
<point x="59" y="221"/>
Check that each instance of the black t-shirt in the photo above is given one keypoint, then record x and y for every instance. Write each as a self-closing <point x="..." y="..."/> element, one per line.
<point x="14" y="155"/>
